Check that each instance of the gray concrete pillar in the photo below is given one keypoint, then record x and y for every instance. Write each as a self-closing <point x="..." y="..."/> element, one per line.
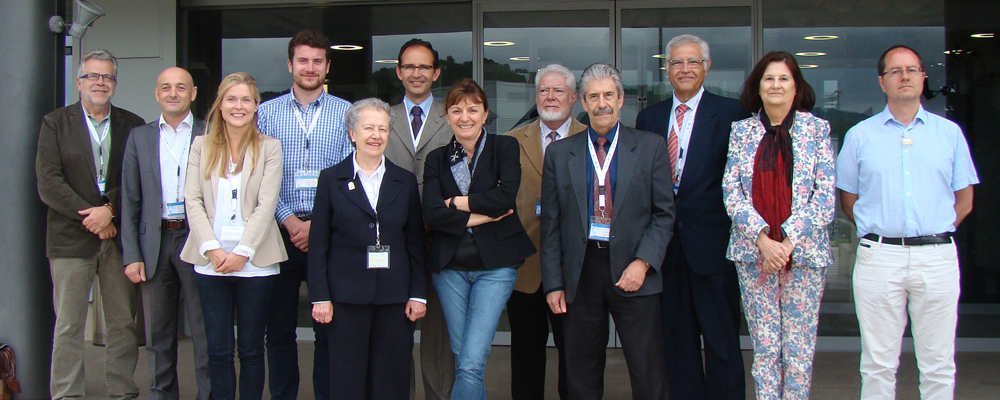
<point x="28" y="90"/>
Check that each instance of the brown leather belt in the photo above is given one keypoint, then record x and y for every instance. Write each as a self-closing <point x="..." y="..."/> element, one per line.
<point x="173" y="224"/>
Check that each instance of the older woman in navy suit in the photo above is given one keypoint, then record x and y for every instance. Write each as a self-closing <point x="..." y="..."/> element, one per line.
<point x="366" y="262"/>
<point x="778" y="190"/>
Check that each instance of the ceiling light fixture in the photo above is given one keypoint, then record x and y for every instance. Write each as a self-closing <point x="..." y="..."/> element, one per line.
<point x="808" y="66"/>
<point x="810" y="53"/>
<point x="520" y="58"/>
<point x="659" y="56"/>
<point x="982" y="35"/>
<point x="387" y="61"/>
<point x="347" y="47"/>
<point x="954" y="52"/>
<point x="821" y="37"/>
<point x="498" y="43"/>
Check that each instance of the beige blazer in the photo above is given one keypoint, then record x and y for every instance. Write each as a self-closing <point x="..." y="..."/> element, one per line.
<point x="261" y="186"/>
<point x="529" y="194"/>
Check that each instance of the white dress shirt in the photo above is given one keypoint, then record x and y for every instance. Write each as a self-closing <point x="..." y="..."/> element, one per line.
<point x="174" y="148"/>
<point x="561" y="133"/>
<point x="684" y="134"/>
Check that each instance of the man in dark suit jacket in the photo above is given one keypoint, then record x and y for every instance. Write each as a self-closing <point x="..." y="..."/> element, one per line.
<point x="418" y="127"/>
<point x="603" y="240"/>
<point x="154" y="230"/>
<point x="78" y="167"/>
<point x="701" y="296"/>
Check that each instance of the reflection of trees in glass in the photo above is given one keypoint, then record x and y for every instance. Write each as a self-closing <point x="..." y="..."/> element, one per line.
<point x="389" y="89"/>
<point x="268" y="95"/>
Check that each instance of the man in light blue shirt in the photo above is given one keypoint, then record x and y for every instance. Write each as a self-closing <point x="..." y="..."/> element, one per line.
<point x="310" y="124"/>
<point x="905" y="178"/>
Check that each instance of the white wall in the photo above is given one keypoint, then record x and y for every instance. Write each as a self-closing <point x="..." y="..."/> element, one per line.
<point x="143" y="35"/>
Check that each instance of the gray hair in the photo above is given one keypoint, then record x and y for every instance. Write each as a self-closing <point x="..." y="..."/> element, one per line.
<point x="97" y="54"/>
<point x="687" y="39"/>
<point x="600" y="71"/>
<point x="353" y="113"/>
<point x="557" y="69"/>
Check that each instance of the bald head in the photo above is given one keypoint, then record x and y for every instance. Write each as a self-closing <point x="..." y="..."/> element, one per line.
<point x="175" y="90"/>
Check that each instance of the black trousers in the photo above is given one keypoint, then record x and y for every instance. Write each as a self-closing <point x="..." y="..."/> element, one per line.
<point x="370" y="352"/>
<point x="529" y="317"/>
<point x="697" y="307"/>
<point x="585" y="326"/>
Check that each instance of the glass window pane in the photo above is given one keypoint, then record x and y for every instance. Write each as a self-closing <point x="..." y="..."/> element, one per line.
<point x="518" y="44"/>
<point x="645" y="33"/>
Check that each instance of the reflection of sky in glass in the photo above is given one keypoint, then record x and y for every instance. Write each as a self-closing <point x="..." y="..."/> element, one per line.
<point x="266" y="59"/>
<point x="575" y="48"/>
<point x="846" y="78"/>
<point x="454" y="44"/>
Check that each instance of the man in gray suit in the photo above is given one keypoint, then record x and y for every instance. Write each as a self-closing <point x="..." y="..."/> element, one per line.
<point x="154" y="229"/>
<point x="417" y="128"/>
<point x="607" y="216"/>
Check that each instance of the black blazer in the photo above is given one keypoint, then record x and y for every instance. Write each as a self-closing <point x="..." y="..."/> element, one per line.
<point x="642" y="221"/>
<point x="702" y="224"/>
<point x="493" y="192"/>
<point x="67" y="177"/>
<point x="343" y="226"/>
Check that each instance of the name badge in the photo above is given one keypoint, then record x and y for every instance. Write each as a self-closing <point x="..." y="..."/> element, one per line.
<point x="100" y="185"/>
<point x="175" y="210"/>
<point x="378" y="257"/>
<point x="231" y="233"/>
<point x="538" y="209"/>
<point x="600" y="229"/>
<point x="306" y="179"/>
<point x="907" y="141"/>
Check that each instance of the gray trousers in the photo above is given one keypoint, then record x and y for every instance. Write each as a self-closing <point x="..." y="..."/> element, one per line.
<point x="71" y="282"/>
<point x="161" y="297"/>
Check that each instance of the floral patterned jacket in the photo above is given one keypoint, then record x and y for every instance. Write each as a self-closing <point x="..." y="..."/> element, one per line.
<point x="812" y="191"/>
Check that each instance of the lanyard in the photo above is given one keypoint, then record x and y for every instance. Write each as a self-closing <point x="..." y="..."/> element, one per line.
<point x="602" y="170"/>
<point x="306" y="131"/>
<point x="184" y="150"/>
<point x="100" y="142"/>
<point x="234" y="203"/>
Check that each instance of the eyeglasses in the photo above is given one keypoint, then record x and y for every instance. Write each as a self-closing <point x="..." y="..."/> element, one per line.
<point x="94" y="77"/>
<point x="898" y="72"/>
<point x="408" y="68"/>
<point x="692" y="63"/>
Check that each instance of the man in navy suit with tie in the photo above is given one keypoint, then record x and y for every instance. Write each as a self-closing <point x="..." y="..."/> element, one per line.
<point x="701" y="298"/>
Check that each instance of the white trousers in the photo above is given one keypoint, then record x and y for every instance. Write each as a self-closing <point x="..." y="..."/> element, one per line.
<point x="890" y="280"/>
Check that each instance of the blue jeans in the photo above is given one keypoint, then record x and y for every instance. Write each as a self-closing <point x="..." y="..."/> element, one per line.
<point x="472" y="303"/>
<point x="220" y="296"/>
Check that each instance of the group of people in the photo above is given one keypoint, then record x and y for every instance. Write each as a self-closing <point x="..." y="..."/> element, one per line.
<point x="708" y="209"/>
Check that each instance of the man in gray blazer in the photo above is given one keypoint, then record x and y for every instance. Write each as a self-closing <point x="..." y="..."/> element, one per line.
<point x="78" y="167"/>
<point x="607" y="216"/>
<point x="154" y="229"/>
<point x="419" y="126"/>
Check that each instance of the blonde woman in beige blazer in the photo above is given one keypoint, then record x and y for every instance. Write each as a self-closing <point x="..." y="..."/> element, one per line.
<point x="233" y="179"/>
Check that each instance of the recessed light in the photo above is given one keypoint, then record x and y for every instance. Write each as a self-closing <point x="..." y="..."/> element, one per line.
<point x="955" y="52"/>
<point x="982" y="35"/>
<point x="387" y="61"/>
<point x="663" y="68"/>
<point x="520" y="58"/>
<point x="348" y="47"/>
<point x="659" y="56"/>
<point x="810" y="54"/>
<point x="808" y="66"/>
<point x="821" y="37"/>
<point x="498" y="43"/>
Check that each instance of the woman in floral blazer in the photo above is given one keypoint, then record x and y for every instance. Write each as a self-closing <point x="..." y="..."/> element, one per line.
<point x="779" y="192"/>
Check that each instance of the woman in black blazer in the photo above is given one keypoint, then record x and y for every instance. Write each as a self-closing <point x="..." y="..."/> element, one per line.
<point x="367" y="277"/>
<point x="470" y="186"/>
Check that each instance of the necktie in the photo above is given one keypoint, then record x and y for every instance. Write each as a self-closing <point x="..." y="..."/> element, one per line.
<point x="416" y="122"/>
<point x="601" y="154"/>
<point x="550" y="138"/>
<point x="672" y="142"/>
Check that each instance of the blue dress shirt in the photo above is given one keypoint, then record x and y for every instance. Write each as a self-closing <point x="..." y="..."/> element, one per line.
<point x="613" y="170"/>
<point x="328" y="144"/>
<point x="905" y="176"/>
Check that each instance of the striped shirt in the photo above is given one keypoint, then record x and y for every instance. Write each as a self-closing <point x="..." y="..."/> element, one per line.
<point x="328" y="144"/>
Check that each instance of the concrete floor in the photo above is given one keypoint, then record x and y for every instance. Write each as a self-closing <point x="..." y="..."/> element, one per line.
<point x="835" y="375"/>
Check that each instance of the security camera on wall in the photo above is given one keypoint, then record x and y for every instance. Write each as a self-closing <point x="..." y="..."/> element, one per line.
<point x="84" y="14"/>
